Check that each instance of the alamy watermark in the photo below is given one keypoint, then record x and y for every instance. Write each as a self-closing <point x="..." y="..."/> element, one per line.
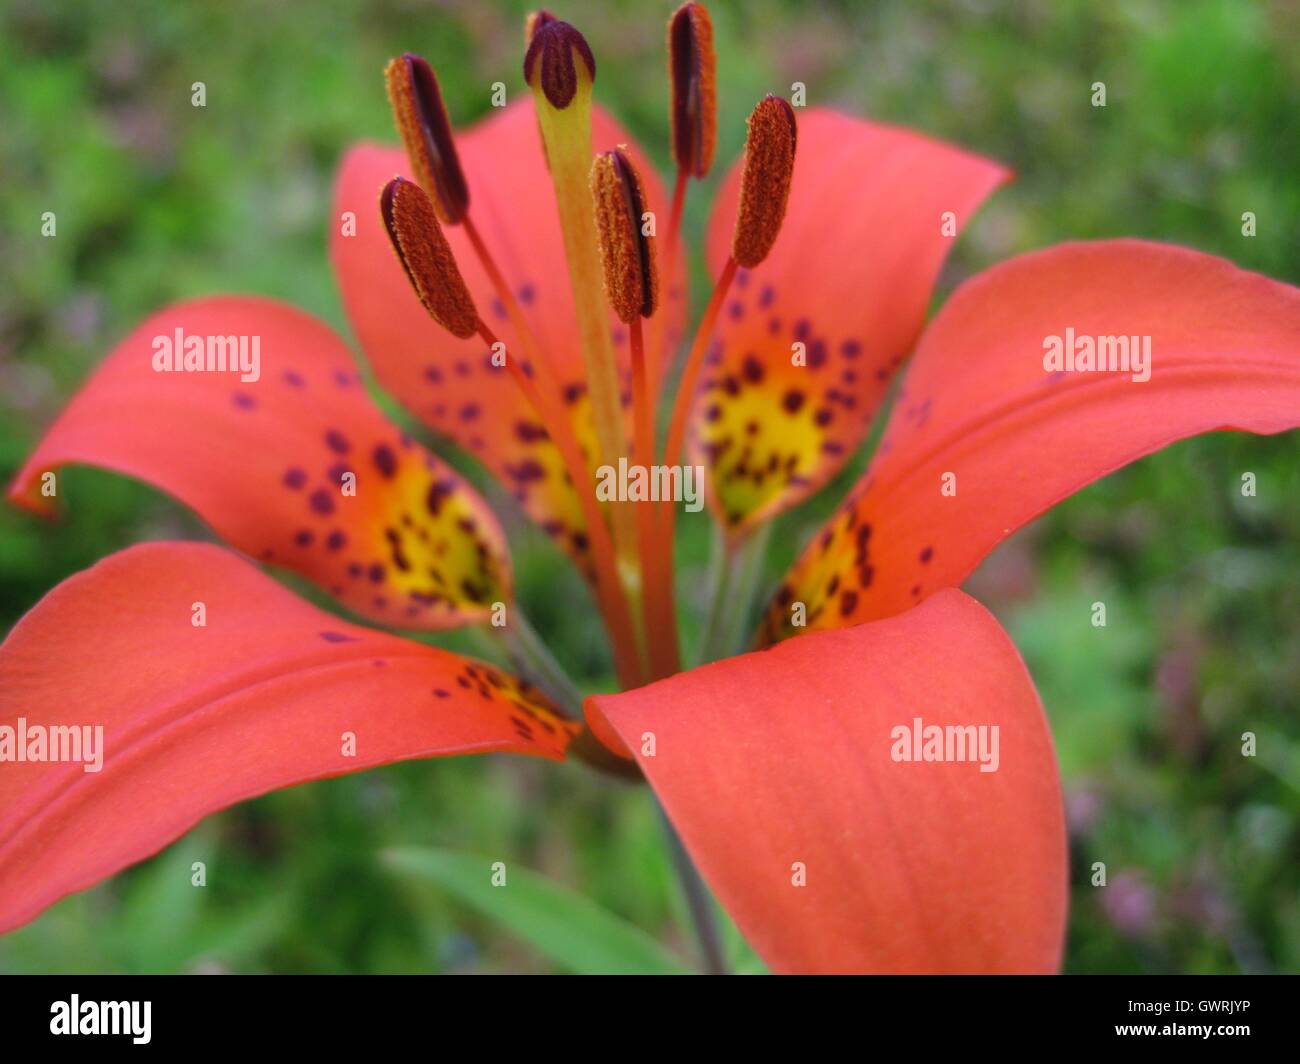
<point x="949" y="742"/>
<point x="55" y="742"/>
<point x="179" y="353"/>
<point x="77" y="1017"/>
<point x="1098" y="354"/>
<point x="636" y="483"/>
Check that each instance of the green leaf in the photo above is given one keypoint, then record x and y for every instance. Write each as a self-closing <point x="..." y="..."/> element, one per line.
<point x="567" y="928"/>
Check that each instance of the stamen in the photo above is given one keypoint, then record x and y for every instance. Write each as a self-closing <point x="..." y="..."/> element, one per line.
<point x="549" y="62"/>
<point x="426" y="133"/>
<point x="692" y="67"/>
<point x="692" y="70"/>
<point x="424" y="253"/>
<point x="631" y="284"/>
<point x="764" y="190"/>
<point x="765" y="181"/>
<point x="631" y="281"/>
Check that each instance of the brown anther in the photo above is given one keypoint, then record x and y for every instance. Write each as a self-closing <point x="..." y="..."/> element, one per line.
<point x="631" y="281"/>
<point x="550" y="61"/>
<point x="426" y="256"/>
<point x="426" y="134"/>
<point x="692" y="67"/>
<point x="765" y="182"/>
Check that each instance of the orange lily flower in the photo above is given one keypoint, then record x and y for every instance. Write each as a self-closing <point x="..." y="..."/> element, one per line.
<point x="529" y="321"/>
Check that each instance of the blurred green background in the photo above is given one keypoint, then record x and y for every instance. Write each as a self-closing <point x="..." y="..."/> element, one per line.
<point x="157" y="200"/>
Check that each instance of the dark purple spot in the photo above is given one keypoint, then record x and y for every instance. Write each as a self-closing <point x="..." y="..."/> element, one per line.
<point x="304" y="538"/>
<point x="529" y="432"/>
<point x="439" y="491"/>
<point x="294" y="378"/>
<point x="336" y="541"/>
<point x="295" y="478"/>
<point x="792" y="401"/>
<point x="385" y="460"/>
<point x="337" y="637"/>
<point x="526" y="471"/>
<point x="243" y="400"/>
<point x="321" y="501"/>
<point x="337" y="442"/>
<point x="926" y="555"/>
<point x="376" y="573"/>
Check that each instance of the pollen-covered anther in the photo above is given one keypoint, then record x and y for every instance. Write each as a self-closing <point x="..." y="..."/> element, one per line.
<point x="765" y="181"/>
<point x="692" y="68"/>
<point x="631" y="280"/>
<point x="550" y="64"/>
<point x="426" y="256"/>
<point x="426" y="134"/>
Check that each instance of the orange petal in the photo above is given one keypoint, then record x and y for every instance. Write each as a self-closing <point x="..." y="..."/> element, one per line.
<point x="268" y="692"/>
<point x="451" y="384"/>
<point x="270" y="463"/>
<point x="980" y="412"/>
<point x="779" y="770"/>
<point x="849" y="279"/>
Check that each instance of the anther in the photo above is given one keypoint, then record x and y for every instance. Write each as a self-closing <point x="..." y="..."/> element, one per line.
<point x="423" y="250"/>
<point x="765" y="181"/>
<point x="426" y="133"/>
<point x="549" y="62"/>
<point x="692" y="69"/>
<point x="626" y="255"/>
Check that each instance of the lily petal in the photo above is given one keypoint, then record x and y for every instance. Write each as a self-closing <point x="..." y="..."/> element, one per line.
<point x="451" y="384"/>
<point x="850" y="278"/>
<point x="268" y="692"/>
<point x="270" y="464"/>
<point x="778" y="769"/>
<point x="979" y="404"/>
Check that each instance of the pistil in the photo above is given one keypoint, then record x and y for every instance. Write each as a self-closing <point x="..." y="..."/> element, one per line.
<point x="561" y="70"/>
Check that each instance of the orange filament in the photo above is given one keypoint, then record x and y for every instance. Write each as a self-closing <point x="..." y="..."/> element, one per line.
<point x="681" y="412"/>
<point x="659" y="323"/>
<point x="658" y="612"/>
